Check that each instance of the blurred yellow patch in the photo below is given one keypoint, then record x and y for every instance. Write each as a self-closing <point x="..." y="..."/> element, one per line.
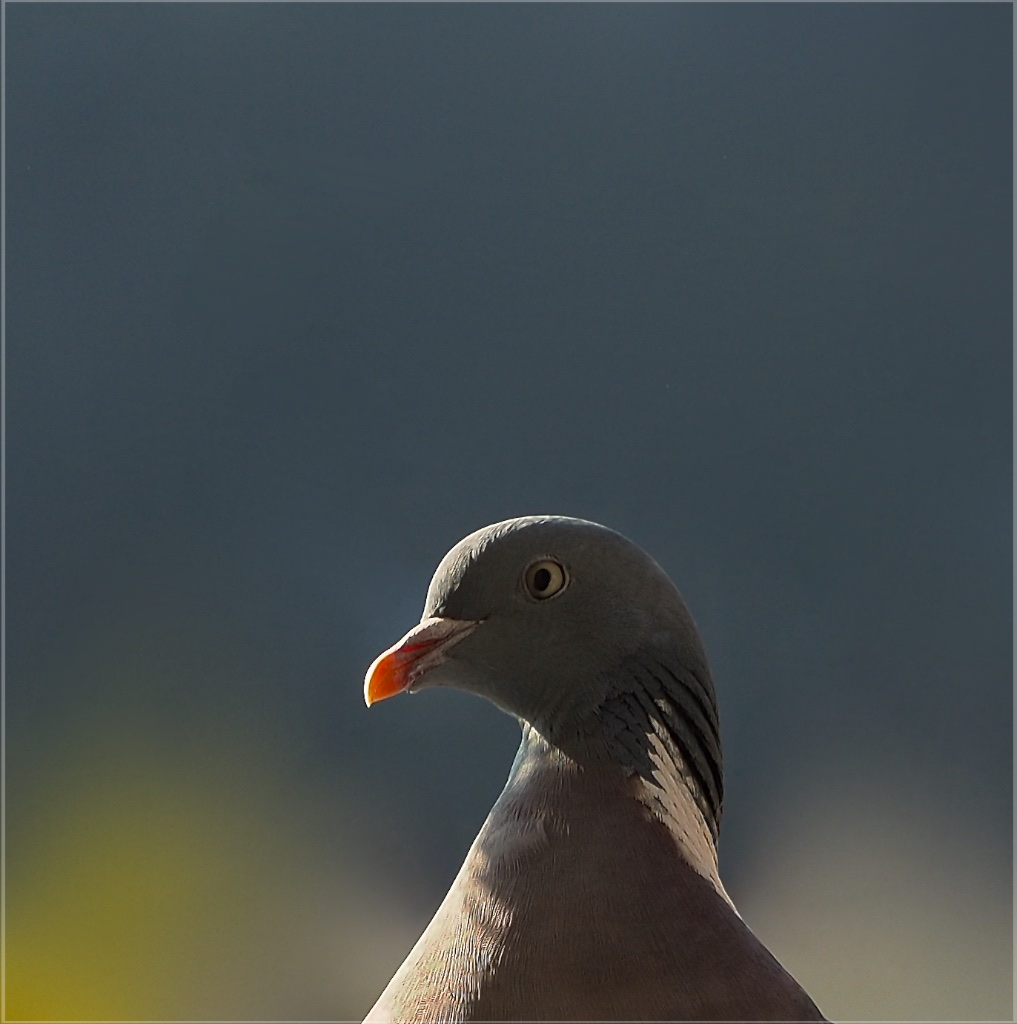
<point x="122" y="885"/>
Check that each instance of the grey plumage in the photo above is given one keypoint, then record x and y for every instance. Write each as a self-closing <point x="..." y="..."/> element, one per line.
<point x="592" y="891"/>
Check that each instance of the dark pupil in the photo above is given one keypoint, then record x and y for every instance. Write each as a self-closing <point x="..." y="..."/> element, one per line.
<point x="541" y="579"/>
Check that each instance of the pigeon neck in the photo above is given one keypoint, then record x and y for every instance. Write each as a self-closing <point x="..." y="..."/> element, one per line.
<point x="629" y="760"/>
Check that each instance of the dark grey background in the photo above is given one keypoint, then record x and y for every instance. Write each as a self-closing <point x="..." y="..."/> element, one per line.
<point x="300" y="294"/>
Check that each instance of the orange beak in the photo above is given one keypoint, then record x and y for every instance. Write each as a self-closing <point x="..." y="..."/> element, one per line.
<point x="423" y="647"/>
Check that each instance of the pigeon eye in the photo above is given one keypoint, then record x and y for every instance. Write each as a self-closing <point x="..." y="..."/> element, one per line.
<point x="545" y="578"/>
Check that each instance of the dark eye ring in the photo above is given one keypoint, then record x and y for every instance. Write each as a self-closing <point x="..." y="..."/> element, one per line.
<point x="545" y="578"/>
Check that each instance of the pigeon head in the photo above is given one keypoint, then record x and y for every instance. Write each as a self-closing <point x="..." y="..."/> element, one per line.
<point x="576" y="631"/>
<point x="540" y="615"/>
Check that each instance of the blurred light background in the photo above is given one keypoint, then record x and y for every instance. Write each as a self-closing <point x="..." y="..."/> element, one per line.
<point x="298" y="295"/>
